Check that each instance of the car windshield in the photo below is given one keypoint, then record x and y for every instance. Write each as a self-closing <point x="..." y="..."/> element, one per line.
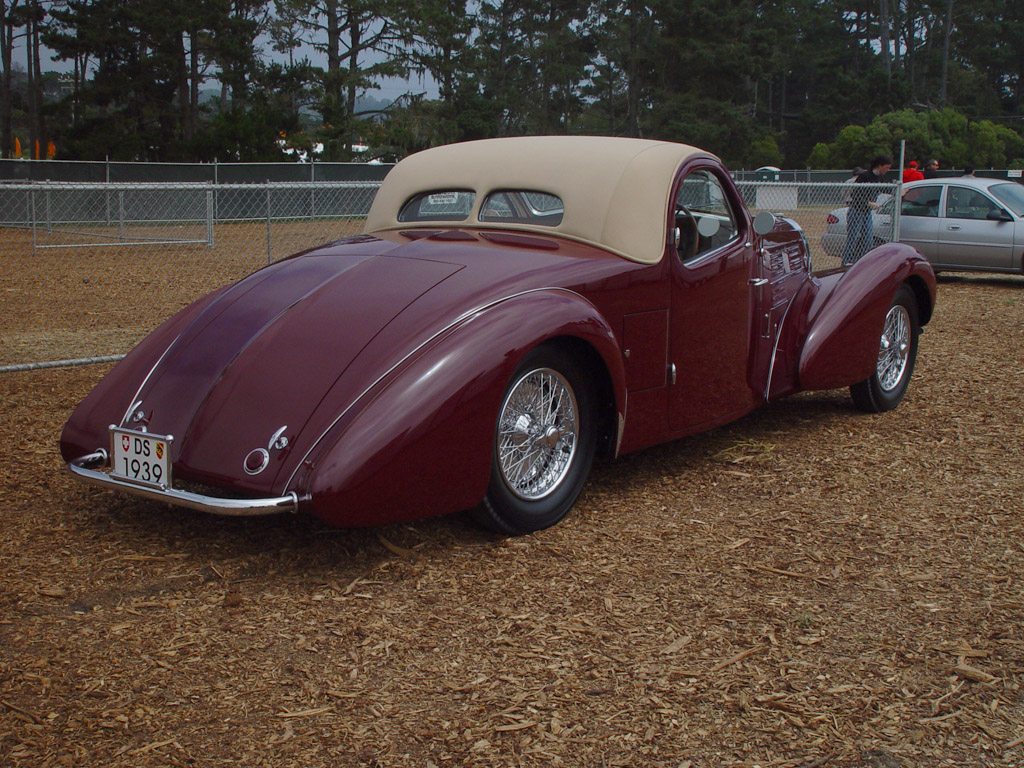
<point x="1011" y="195"/>
<point x="440" y="205"/>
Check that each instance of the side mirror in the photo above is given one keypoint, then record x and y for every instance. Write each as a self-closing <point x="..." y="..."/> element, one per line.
<point x="998" y="214"/>
<point x="764" y="222"/>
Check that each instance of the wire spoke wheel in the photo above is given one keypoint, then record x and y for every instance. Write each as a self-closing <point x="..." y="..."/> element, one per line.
<point x="897" y="350"/>
<point x="545" y="438"/>
<point x="538" y="431"/>
<point x="894" y="348"/>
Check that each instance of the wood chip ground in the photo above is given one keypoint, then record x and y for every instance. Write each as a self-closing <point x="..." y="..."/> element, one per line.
<point x="807" y="587"/>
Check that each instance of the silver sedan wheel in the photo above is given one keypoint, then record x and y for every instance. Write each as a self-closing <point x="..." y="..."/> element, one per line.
<point x="893" y="353"/>
<point x="538" y="429"/>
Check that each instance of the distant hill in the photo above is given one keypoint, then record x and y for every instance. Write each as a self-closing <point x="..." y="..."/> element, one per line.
<point x="210" y="97"/>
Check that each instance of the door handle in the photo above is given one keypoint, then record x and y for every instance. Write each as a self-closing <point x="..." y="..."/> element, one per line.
<point x="757" y="282"/>
<point x="954" y="227"/>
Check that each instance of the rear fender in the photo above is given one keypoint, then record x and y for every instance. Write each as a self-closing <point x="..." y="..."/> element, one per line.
<point x="419" y="443"/>
<point x="845" y="319"/>
<point x="109" y="400"/>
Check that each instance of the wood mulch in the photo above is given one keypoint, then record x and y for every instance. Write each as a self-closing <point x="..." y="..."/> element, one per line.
<point x="807" y="587"/>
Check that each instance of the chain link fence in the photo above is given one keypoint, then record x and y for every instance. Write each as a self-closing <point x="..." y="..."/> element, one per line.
<point x="820" y="209"/>
<point x="116" y="172"/>
<point x="295" y="215"/>
<point x="88" y="269"/>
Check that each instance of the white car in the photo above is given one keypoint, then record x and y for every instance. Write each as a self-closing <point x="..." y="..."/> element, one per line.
<point x="834" y="238"/>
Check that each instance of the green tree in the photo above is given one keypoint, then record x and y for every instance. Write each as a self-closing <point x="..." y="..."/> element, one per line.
<point x="363" y="42"/>
<point x="622" y="71"/>
<point x="533" y="59"/>
<point x="10" y="23"/>
<point x="443" y="50"/>
<point x="944" y="134"/>
<point x="148" y="59"/>
<point x="32" y="15"/>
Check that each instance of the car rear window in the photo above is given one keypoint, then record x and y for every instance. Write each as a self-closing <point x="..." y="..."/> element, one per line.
<point x="522" y="206"/>
<point x="439" y="205"/>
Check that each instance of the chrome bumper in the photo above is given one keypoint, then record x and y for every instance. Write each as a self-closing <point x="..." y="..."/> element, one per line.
<point x="212" y="504"/>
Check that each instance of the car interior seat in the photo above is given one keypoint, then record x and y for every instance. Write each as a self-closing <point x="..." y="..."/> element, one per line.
<point x="686" y="241"/>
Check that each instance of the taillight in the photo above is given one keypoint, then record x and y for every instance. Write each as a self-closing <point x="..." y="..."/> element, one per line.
<point x="832" y="219"/>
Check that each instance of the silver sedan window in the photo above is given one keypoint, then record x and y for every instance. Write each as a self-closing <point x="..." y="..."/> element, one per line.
<point x="964" y="203"/>
<point x="1011" y="195"/>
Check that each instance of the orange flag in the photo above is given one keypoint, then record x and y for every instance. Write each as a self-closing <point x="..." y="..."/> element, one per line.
<point x="17" y="147"/>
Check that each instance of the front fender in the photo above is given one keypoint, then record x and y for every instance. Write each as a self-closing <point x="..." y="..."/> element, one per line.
<point x="419" y="444"/>
<point x="846" y="317"/>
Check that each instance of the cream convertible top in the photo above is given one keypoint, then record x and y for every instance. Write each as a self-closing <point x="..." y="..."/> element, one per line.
<point x="615" y="191"/>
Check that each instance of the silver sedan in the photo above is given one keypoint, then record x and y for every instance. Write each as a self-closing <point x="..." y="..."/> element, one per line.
<point x="958" y="223"/>
<point x="965" y="223"/>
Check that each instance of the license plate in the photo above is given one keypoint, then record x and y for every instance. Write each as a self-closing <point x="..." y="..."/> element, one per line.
<point x="140" y="457"/>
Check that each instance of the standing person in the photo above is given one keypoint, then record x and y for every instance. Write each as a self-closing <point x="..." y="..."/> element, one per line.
<point x="857" y="171"/>
<point x="968" y="170"/>
<point x="859" y="225"/>
<point x="912" y="173"/>
<point x="931" y="169"/>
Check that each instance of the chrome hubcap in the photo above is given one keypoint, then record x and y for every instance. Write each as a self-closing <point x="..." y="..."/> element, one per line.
<point x="537" y="433"/>
<point x="894" y="348"/>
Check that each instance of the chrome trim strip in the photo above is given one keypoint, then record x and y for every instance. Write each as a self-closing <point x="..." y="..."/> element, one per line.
<point x="212" y="504"/>
<point x="460" y="319"/>
<point x="136" y="402"/>
<point x="775" y="348"/>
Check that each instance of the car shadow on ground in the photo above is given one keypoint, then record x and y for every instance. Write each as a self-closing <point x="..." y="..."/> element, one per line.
<point x="302" y="546"/>
<point x="793" y="416"/>
<point x="1010" y="282"/>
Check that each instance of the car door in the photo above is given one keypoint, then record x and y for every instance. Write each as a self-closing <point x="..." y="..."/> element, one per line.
<point x="968" y="239"/>
<point x="919" y="219"/>
<point x="711" y="306"/>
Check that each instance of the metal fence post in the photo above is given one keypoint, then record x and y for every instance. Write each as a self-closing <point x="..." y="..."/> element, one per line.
<point x="898" y="202"/>
<point x="106" y="194"/>
<point x="49" y="215"/>
<point x="32" y="213"/>
<point x="268" y="223"/>
<point x="209" y="218"/>
<point x="216" y="194"/>
<point x="120" y="214"/>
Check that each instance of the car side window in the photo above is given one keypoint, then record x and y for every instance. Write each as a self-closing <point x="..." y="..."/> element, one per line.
<point x="921" y="201"/>
<point x="964" y="203"/>
<point x="704" y="217"/>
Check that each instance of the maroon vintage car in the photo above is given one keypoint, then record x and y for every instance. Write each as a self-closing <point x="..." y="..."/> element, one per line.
<point x="516" y="307"/>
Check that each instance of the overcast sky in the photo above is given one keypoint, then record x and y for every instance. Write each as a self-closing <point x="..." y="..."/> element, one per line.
<point x="390" y="88"/>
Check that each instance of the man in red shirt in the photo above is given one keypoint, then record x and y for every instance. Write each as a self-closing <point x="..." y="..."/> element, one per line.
<point x="911" y="172"/>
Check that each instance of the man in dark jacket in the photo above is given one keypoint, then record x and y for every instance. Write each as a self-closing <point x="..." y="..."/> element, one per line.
<point x="863" y="200"/>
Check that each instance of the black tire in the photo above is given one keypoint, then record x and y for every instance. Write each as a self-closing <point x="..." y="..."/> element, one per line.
<point x="555" y="441"/>
<point x="885" y="388"/>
